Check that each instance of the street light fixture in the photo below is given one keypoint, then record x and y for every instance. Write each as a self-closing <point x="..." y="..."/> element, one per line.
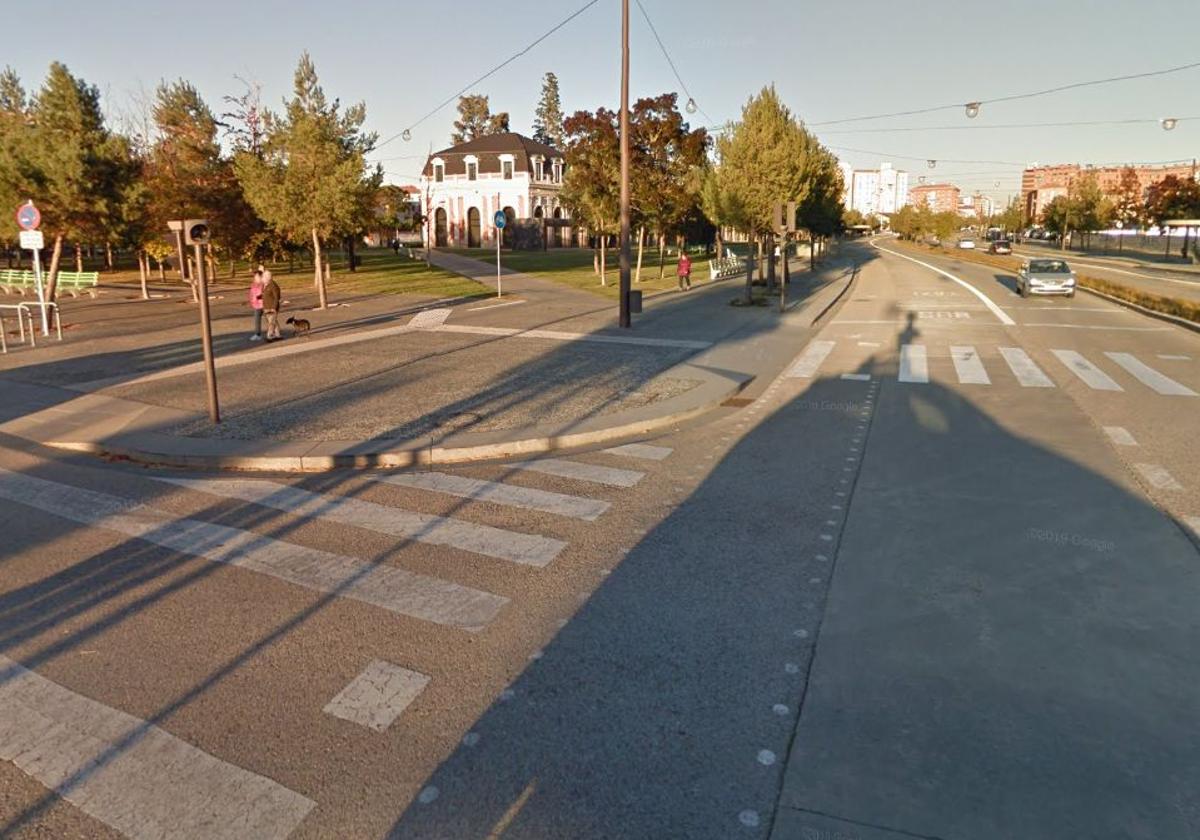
<point x="932" y="163"/>
<point x="691" y="106"/>
<point x="973" y="109"/>
<point x="406" y="135"/>
<point x="1168" y="123"/>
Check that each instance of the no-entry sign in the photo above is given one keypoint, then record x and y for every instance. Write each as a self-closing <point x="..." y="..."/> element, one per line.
<point x="28" y="217"/>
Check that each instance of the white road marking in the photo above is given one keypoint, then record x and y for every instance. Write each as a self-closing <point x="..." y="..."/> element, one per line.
<point x="969" y="368"/>
<point x="430" y="319"/>
<point x="1099" y="327"/>
<point x="526" y="498"/>
<point x="1091" y="375"/>
<point x="528" y="549"/>
<point x="1193" y="522"/>
<point x="582" y="472"/>
<point x="810" y="360"/>
<point x="914" y="367"/>
<point x="1024" y="368"/>
<point x="557" y="335"/>
<point x="868" y="344"/>
<point x="131" y="775"/>
<point x="1174" y="357"/>
<point x="397" y="590"/>
<point x="1158" y="477"/>
<point x="1120" y="436"/>
<point x="496" y="305"/>
<point x="377" y="696"/>
<point x="1149" y="377"/>
<point x="644" y="451"/>
<point x="857" y="377"/>
<point x="1000" y="314"/>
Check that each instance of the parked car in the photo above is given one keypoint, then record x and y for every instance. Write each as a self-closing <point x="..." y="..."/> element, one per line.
<point x="966" y="244"/>
<point x="1000" y="246"/>
<point x="1046" y="277"/>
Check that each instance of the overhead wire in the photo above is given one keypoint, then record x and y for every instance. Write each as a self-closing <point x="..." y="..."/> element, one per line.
<point x="985" y="126"/>
<point x="670" y="62"/>
<point x="1011" y="97"/>
<point x="493" y="71"/>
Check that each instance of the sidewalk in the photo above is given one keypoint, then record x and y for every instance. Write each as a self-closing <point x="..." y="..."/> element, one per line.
<point x="447" y="385"/>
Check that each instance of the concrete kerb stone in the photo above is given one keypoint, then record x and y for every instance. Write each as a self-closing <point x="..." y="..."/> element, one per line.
<point x="159" y="449"/>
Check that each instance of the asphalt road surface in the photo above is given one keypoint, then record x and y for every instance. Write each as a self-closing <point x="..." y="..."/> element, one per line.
<point x="938" y="580"/>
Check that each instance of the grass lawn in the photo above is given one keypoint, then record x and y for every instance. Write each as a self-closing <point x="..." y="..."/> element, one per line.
<point x="573" y="267"/>
<point x="380" y="271"/>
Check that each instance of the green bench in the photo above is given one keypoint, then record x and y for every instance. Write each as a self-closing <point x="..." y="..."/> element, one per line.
<point x="14" y="280"/>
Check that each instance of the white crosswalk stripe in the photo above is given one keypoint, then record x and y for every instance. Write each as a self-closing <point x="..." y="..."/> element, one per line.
<point x="1149" y="377"/>
<point x="1087" y="372"/>
<point x="509" y="495"/>
<point x="391" y="588"/>
<point x="1028" y="374"/>
<point x="580" y="471"/>
<point x="529" y="549"/>
<point x="1120" y="436"/>
<point x="968" y="366"/>
<point x="644" y="451"/>
<point x="810" y="360"/>
<point x="914" y="365"/>
<point x="1158" y="477"/>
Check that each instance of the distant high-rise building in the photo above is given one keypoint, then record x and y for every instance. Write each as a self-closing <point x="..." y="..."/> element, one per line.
<point x="937" y="197"/>
<point x="1042" y="184"/>
<point x="880" y="191"/>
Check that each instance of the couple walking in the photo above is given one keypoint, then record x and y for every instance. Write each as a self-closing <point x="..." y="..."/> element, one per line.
<point x="265" y="298"/>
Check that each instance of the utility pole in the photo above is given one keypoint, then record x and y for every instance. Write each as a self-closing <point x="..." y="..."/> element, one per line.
<point x="626" y="254"/>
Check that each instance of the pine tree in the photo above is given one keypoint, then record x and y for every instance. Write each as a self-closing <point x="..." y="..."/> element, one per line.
<point x="548" y="122"/>
<point x="312" y="180"/>
<point x="475" y="119"/>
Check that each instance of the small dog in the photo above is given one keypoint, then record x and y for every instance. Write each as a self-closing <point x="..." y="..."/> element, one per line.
<point x="300" y="326"/>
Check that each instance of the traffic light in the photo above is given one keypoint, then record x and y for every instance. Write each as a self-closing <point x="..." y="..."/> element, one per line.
<point x="195" y="231"/>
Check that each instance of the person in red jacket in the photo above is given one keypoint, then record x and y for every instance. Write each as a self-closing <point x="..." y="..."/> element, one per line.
<point x="684" y="270"/>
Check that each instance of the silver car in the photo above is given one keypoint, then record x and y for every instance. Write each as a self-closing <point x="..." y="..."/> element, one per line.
<point x="1046" y="277"/>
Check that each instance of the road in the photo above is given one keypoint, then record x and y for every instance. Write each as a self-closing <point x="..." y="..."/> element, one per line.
<point x="1148" y="277"/>
<point x="935" y="580"/>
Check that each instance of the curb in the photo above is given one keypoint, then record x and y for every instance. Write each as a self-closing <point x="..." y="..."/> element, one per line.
<point x="853" y="279"/>
<point x="403" y="455"/>
<point x="1153" y="313"/>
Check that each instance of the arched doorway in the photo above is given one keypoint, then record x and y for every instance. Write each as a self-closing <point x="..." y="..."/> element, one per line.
<point x="510" y="219"/>
<point x="539" y="214"/>
<point x="441" y="236"/>
<point x="557" y="237"/>
<point x="474" y="237"/>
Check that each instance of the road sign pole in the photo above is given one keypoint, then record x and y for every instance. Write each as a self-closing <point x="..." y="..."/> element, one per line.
<point x="210" y="371"/>
<point x="623" y="318"/>
<point x="41" y="291"/>
<point x="499" y="236"/>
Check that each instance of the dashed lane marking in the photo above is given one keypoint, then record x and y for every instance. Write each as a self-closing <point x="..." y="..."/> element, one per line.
<point x="582" y="472"/>
<point x="132" y="775"/>
<point x="1120" y="436"/>
<point x="810" y="360"/>
<point x="528" y="549"/>
<point x="377" y="696"/>
<point x="393" y="589"/>
<point x="525" y="498"/>
<point x="857" y="377"/>
<point x="1158" y="477"/>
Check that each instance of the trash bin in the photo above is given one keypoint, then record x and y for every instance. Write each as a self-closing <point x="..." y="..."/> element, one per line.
<point x="635" y="300"/>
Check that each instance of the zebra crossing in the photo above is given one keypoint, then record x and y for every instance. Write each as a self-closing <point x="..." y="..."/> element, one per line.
<point x="918" y="365"/>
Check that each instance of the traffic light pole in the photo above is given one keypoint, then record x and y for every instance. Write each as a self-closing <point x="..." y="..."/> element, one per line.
<point x="210" y="370"/>
<point x="626" y="255"/>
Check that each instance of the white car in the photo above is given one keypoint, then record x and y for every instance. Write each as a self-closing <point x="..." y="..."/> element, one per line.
<point x="966" y="244"/>
<point x="1046" y="277"/>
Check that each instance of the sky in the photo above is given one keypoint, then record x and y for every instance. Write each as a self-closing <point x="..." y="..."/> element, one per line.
<point x="827" y="60"/>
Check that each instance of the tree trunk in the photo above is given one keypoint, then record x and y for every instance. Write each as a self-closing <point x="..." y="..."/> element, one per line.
<point x="603" y="260"/>
<point x="78" y="257"/>
<point x="662" y="243"/>
<point x="162" y="272"/>
<point x="770" y="248"/>
<point x="319" y="275"/>
<point x="232" y="268"/>
<point x="350" y="257"/>
<point x="720" y="245"/>
<point x="144" y="273"/>
<point x="641" y="242"/>
<point x="750" y="270"/>
<point x="596" y="260"/>
<point x="51" y="288"/>
<point x="109" y="262"/>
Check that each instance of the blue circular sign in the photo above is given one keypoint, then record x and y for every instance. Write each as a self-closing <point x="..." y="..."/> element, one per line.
<point x="28" y="217"/>
<point x="500" y="219"/>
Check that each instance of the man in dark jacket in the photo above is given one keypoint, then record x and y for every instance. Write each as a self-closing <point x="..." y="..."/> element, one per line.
<point x="271" y="299"/>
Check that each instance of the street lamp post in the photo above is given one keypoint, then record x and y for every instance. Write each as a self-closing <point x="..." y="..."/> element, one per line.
<point x="626" y="255"/>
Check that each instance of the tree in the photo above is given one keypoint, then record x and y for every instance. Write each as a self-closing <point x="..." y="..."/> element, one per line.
<point x="1130" y="204"/>
<point x="666" y="161"/>
<point x="548" y="121"/>
<point x="1011" y="218"/>
<point x="591" y="187"/>
<point x="60" y="153"/>
<point x="312" y="180"/>
<point x="1089" y="209"/>
<point x="475" y="119"/>
<point x="1056" y="216"/>
<point x="1174" y="198"/>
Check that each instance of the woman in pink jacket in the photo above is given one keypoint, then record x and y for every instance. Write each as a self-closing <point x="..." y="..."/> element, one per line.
<point x="256" y="303"/>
